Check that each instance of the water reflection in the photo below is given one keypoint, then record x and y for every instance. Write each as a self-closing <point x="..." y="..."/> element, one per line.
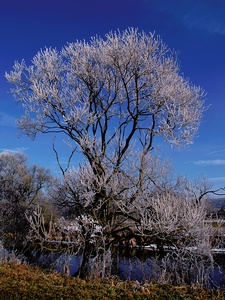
<point x="133" y="264"/>
<point x="68" y="264"/>
<point x="128" y="264"/>
<point x="218" y="272"/>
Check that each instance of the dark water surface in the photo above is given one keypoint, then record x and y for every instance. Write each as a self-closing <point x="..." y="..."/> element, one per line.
<point x="128" y="264"/>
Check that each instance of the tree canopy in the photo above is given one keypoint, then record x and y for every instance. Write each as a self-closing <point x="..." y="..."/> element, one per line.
<point x="112" y="97"/>
<point x="107" y="94"/>
<point x="21" y="187"/>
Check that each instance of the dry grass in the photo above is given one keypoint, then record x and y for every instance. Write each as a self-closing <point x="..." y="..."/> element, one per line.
<point x="19" y="281"/>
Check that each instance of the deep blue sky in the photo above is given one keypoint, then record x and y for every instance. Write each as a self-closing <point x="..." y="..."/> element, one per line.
<point x="195" y="28"/>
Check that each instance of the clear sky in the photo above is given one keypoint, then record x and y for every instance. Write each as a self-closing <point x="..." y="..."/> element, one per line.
<point x="195" y="28"/>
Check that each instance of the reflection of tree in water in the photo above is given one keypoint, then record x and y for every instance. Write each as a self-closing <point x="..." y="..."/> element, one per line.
<point x="218" y="272"/>
<point x="176" y="267"/>
<point x="144" y="265"/>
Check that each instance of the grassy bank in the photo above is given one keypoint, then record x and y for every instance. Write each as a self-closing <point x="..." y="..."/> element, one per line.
<point x="23" y="282"/>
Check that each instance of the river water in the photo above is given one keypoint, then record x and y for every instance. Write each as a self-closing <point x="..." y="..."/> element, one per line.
<point x="131" y="264"/>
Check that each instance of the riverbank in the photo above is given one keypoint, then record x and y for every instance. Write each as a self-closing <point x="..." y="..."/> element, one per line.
<point x="19" y="281"/>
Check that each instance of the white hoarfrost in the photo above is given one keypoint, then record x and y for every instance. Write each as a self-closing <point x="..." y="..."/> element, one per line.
<point x="114" y="98"/>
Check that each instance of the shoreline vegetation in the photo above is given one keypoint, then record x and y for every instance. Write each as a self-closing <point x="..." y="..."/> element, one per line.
<point x="18" y="281"/>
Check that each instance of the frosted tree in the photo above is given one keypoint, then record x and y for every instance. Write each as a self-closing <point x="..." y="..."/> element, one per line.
<point x="113" y="98"/>
<point x="21" y="187"/>
<point x="108" y="93"/>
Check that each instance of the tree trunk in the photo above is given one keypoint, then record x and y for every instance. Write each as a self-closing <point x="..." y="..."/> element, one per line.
<point x="96" y="262"/>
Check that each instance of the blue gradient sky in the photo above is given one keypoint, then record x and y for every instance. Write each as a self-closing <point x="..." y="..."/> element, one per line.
<point x="196" y="28"/>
